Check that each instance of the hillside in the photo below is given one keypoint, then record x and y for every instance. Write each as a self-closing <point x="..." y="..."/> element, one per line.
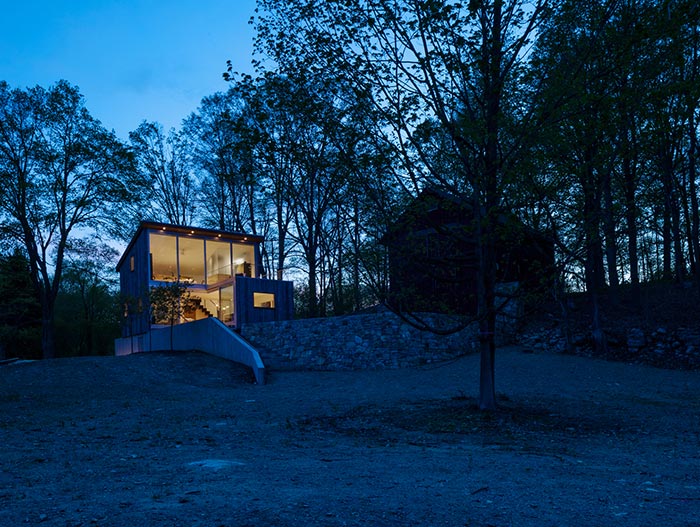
<point x="185" y="440"/>
<point x="659" y="326"/>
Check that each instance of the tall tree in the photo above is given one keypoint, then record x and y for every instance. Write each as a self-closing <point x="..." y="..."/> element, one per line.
<point x="87" y="306"/>
<point x="458" y="63"/>
<point x="272" y="129"/>
<point x="61" y="171"/>
<point x="222" y="150"/>
<point x="165" y="166"/>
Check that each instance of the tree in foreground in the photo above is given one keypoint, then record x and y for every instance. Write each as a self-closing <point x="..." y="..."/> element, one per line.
<point x="61" y="172"/>
<point x="169" y="303"/>
<point x="461" y="66"/>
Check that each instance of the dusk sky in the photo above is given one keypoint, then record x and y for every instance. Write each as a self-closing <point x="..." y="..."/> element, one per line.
<point x="131" y="59"/>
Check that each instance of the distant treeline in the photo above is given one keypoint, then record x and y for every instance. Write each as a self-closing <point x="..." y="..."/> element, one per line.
<point x="579" y="117"/>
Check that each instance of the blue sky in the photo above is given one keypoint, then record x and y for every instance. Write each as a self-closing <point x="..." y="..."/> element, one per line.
<point x="132" y="59"/>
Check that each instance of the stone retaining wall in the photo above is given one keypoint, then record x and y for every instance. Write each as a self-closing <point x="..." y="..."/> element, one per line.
<point x="374" y="341"/>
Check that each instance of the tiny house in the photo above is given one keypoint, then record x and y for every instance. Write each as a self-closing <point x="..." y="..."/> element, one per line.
<point x="220" y="270"/>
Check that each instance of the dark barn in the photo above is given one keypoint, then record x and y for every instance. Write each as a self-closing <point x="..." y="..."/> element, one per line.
<point x="433" y="259"/>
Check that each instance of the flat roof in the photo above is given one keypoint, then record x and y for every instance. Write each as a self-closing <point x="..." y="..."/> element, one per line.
<point x="190" y="231"/>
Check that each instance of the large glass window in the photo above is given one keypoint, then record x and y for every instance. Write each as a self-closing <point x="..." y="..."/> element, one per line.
<point x="163" y="257"/>
<point x="218" y="261"/>
<point x="191" y="253"/>
<point x="243" y="259"/>
<point x="208" y="303"/>
<point x="226" y="304"/>
<point x="216" y="303"/>
<point x="264" y="300"/>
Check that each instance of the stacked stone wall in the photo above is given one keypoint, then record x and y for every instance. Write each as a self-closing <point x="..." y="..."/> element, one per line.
<point x="372" y="341"/>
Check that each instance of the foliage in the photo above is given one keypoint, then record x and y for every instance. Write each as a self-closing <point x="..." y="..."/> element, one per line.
<point x="169" y="302"/>
<point x="62" y="171"/>
<point x="87" y="308"/>
<point x="20" y="312"/>
<point x="165" y="164"/>
<point x="446" y="84"/>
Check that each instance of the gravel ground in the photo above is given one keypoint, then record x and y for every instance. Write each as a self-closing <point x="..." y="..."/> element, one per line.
<point x="186" y="440"/>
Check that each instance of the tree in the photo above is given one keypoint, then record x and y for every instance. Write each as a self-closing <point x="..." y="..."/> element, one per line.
<point x="223" y="151"/>
<point x="461" y="64"/>
<point x="272" y="129"/>
<point x="619" y="159"/>
<point x="164" y="164"/>
<point x="169" y="303"/>
<point x="87" y="314"/>
<point x="62" y="172"/>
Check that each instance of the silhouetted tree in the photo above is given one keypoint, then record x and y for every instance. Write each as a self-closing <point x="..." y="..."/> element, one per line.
<point x="164" y="164"/>
<point x="169" y="302"/>
<point x="61" y="171"/>
<point x="20" y="311"/>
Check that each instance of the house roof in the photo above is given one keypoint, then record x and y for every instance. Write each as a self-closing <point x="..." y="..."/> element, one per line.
<point x="192" y="231"/>
<point x="433" y="208"/>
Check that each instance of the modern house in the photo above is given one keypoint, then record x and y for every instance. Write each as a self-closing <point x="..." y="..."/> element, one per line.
<point x="432" y="250"/>
<point x="220" y="270"/>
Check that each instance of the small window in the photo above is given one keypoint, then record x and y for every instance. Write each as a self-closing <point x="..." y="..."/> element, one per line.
<point x="264" y="300"/>
<point x="132" y="265"/>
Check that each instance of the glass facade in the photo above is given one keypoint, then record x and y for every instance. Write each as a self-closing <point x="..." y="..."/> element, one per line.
<point x="191" y="259"/>
<point x="163" y="257"/>
<point x="218" y="261"/>
<point x="207" y="265"/>
<point x="227" y="314"/>
<point x="243" y="259"/>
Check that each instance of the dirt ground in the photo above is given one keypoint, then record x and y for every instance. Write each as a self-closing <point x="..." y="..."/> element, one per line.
<point x="186" y="440"/>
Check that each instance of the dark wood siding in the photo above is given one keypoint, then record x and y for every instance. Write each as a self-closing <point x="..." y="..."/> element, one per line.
<point x="433" y="258"/>
<point x="134" y="287"/>
<point x="246" y="312"/>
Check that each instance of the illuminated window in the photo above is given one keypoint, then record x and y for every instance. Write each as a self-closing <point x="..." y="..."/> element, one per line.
<point x="243" y="259"/>
<point x="218" y="261"/>
<point x="163" y="257"/>
<point x="131" y="263"/>
<point x="264" y="300"/>
<point x="191" y="252"/>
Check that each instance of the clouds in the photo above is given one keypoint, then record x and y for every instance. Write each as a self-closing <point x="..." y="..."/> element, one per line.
<point x="132" y="60"/>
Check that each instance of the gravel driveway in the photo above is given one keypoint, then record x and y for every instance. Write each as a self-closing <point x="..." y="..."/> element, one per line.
<point x="185" y="440"/>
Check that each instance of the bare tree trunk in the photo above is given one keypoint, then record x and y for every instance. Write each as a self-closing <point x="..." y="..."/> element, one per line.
<point x="357" y="302"/>
<point x="48" y="335"/>
<point x="313" y="271"/>
<point x="630" y="180"/>
<point x="485" y="311"/>
<point x="600" y="342"/>
<point x="610" y="233"/>
<point x="565" y="322"/>
<point x="667" y="179"/>
<point x="492" y="47"/>
<point x="678" y="259"/>
<point x="692" y="178"/>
